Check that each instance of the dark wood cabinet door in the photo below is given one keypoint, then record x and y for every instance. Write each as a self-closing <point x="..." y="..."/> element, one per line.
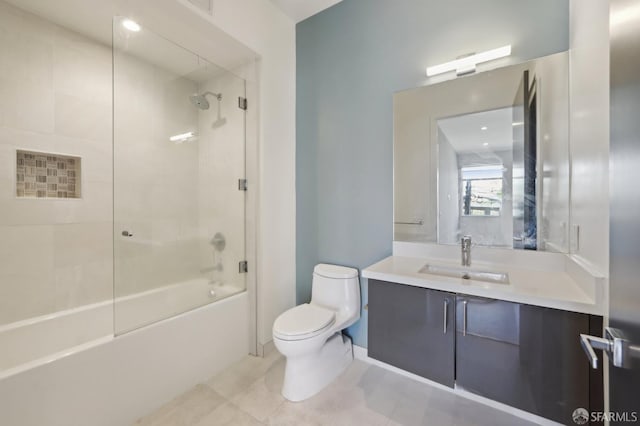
<point x="524" y="356"/>
<point x="413" y="328"/>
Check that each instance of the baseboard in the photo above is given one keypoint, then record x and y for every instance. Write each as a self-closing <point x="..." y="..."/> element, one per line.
<point x="361" y="354"/>
<point x="266" y="349"/>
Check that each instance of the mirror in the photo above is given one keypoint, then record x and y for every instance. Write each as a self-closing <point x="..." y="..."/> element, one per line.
<point x="486" y="155"/>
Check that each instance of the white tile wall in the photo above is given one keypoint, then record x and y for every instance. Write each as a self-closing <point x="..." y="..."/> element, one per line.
<point x="55" y="96"/>
<point x="27" y="264"/>
<point x="26" y="70"/>
<point x="95" y="124"/>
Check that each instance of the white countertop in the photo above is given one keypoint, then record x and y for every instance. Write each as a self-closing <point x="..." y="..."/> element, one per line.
<point x="552" y="288"/>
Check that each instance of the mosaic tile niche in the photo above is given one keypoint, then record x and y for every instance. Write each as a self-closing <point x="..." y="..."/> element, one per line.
<point x="46" y="175"/>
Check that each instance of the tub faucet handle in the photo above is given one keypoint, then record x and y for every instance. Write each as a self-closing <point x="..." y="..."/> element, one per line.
<point x="466" y="250"/>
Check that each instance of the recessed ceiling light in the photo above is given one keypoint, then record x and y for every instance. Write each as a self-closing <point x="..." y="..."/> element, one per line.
<point x="483" y="128"/>
<point x="131" y="25"/>
<point x="485" y="144"/>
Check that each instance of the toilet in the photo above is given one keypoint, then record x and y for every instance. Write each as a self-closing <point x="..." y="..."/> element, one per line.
<point x="310" y="335"/>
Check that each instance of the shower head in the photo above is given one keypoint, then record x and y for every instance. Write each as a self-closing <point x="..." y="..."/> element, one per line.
<point x="200" y="100"/>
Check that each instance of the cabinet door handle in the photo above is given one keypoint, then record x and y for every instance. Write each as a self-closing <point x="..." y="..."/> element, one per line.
<point x="464" y="318"/>
<point x="446" y="307"/>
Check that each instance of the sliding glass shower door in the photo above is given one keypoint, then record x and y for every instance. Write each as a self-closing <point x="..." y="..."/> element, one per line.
<point x="179" y="158"/>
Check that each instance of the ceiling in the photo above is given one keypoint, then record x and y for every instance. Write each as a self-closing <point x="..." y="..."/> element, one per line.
<point x="299" y="10"/>
<point x="465" y="132"/>
<point x="93" y="19"/>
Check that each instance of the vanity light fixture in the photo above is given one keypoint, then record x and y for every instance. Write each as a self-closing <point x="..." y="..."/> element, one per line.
<point x="467" y="64"/>
<point x="517" y="123"/>
<point x="131" y="25"/>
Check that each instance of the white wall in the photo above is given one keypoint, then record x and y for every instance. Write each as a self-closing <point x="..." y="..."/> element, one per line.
<point x="589" y="126"/>
<point x="553" y="150"/>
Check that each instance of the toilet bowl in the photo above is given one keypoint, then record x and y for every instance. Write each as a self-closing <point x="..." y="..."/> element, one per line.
<point x="310" y="335"/>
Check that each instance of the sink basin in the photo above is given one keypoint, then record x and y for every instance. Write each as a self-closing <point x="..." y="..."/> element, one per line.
<point x="466" y="273"/>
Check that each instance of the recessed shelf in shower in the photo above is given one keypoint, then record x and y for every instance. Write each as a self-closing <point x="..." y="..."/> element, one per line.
<point x="47" y="175"/>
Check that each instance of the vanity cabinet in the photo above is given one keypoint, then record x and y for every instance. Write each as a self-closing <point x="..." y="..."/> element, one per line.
<point x="525" y="356"/>
<point x="413" y="328"/>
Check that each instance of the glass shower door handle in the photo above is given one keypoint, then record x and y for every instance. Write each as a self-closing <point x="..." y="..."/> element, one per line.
<point x="614" y="344"/>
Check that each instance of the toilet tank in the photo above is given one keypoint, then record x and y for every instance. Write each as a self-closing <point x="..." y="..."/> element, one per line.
<point x="336" y="287"/>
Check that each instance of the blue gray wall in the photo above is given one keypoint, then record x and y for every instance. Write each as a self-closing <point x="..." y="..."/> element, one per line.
<point x="351" y="58"/>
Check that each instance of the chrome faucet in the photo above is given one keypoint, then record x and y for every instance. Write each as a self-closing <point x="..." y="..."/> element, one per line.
<point x="466" y="250"/>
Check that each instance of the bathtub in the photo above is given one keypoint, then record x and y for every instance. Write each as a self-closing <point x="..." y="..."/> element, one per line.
<point x="28" y="343"/>
<point x="107" y="380"/>
<point x="145" y="308"/>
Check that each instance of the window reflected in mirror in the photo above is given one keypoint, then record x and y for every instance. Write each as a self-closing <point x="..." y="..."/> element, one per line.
<point x="475" y="169"/>
<point x="481" y="190"/>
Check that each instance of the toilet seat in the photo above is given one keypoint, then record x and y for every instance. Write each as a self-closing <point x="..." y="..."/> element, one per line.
<point x="303" y="322"/>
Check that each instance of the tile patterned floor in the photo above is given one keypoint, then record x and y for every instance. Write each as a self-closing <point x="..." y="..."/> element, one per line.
<point x="248" y="393"/>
